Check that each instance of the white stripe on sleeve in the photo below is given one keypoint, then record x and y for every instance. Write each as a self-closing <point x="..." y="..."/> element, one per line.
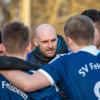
<point x="47" y="76"/>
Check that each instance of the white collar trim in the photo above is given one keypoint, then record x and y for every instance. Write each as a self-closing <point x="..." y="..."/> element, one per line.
<point x="91" y="49"/>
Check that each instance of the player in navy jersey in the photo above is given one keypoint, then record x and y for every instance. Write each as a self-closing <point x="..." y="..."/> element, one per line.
<point x="7" y="90"/>
<point x="77" y="72"/>
<point x="17" y="47"/>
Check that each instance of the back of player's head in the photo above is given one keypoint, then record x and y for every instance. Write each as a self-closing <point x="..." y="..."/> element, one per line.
<point x="15" y="36"/>
<point x="80" y="29"/>
<point x="93" y="14"/>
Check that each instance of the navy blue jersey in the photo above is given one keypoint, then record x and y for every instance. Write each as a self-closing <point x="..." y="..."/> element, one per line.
<point x="48" y="93"/>
<point x="10" y="92"/>
<point x="78" y="73"/>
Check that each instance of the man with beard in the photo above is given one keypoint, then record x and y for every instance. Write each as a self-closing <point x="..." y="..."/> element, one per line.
<point x="48" y="45"/>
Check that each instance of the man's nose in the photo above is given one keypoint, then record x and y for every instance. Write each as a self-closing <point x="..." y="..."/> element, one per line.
<point x="50" y="44"/>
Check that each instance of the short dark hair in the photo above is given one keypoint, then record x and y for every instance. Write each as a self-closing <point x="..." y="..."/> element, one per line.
<point x="16" y="37"/>
<point x="80" y="29"/>
<point x="93" y="14"/>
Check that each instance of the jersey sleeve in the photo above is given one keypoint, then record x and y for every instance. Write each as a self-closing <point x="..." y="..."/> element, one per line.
<point x="52" y="71"/>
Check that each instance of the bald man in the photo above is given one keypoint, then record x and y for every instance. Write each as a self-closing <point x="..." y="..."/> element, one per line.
<point x="48" y="45"/>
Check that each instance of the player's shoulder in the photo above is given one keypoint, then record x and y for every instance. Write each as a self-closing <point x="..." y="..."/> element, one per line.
<point x="60" y="56"/>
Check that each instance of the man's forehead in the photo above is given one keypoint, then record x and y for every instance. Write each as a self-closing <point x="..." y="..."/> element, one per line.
<point x="47" y="36"/>
<point x="45" y="29"/>
<point x="46" y="33"/>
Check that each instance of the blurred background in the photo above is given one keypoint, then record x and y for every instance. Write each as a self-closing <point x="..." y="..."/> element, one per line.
<point x="35" y="12"/>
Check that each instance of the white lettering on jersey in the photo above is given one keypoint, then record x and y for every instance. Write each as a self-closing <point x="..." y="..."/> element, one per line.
<point x="14" y="89"/>
<point x="87" y="68"/>
<point x="83" y="70"/>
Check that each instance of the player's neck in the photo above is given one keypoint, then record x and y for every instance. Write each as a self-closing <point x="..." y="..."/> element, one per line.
<point x="17" y="56"/>
<point x="77" y="48"/>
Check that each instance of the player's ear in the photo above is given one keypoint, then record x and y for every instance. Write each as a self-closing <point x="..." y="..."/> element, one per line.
<point x="2" y="47"/>
<point x="29" y="47"/>
<point x="35" y="42"/>
<point x="69" y="42"/>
